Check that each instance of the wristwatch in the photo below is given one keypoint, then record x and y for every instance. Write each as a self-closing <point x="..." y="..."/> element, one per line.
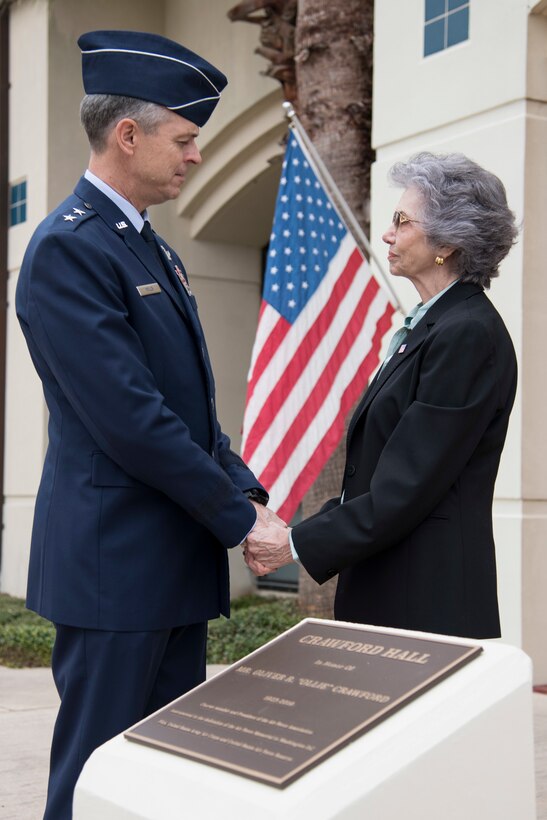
<point x="257" y="495"/>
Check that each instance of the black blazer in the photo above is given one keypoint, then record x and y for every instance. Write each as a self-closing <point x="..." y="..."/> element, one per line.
<point x="412" y="541"/>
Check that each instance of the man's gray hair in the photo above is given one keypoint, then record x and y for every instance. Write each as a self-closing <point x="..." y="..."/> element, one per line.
<point x="463" y="207"/>
<point x="99" y="113"/>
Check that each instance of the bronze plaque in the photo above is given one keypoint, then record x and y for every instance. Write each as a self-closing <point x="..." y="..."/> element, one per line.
<point x="299" y="698"/>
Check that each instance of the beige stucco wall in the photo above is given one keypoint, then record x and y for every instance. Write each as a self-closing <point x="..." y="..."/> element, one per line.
<point x="26" y="420"/>
<point x="219" y="234"/>
<point x="485" y="97"/>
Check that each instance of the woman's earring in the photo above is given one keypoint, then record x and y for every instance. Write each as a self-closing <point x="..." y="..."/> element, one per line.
<point x="439" y="260"/>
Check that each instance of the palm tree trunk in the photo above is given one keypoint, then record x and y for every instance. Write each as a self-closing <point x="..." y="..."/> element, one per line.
<point x="333" y="55"/>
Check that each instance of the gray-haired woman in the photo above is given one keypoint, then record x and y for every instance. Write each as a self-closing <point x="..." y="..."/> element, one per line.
<point x="410" y="536"/>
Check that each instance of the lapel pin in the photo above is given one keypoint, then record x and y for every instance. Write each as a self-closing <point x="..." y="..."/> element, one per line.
<point x="182" y="278"/>
<point x="121" y="225"/>
<point x="402" y="349"/>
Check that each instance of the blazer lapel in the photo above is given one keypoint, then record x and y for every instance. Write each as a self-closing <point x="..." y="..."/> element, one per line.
<point x="414" y="340"/>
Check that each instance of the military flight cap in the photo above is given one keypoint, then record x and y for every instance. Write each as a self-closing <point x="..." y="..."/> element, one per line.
<point x="151" y="67"/>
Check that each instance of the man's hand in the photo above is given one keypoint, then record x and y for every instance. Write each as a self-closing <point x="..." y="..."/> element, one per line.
<point x="267" y="516"/>
<point x="267" y="522"/>
<point x="268" y="548"/>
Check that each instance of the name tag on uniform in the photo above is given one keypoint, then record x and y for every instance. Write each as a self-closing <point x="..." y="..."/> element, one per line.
<point x="148" y="290"/>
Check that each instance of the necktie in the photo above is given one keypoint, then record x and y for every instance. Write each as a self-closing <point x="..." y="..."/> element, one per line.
<point x="148" y="235"/>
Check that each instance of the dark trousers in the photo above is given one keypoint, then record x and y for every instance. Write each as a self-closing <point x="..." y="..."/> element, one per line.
<point x="107" y="681"/>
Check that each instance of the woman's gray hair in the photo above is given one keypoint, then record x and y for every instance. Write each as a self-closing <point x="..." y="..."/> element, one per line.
<point x="100" y="112"/>
<point x="465" y="208"/>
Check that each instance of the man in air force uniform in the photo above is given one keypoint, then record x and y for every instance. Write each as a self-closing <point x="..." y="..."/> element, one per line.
<point x="141" y="495"/>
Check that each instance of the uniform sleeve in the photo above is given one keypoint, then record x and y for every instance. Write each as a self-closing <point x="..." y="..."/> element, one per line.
<point x="78" y="318"/>
<point x="456" y="399"/>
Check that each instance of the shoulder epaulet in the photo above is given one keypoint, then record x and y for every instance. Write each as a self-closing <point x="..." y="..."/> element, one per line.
<point x="72" y="213"/>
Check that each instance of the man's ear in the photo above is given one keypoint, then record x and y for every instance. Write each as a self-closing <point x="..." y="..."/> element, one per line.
<point x="126" y="133"/>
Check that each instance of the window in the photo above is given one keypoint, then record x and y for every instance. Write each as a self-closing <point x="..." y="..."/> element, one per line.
<point x="18" y="203"/>
<point x="446" y="23"/>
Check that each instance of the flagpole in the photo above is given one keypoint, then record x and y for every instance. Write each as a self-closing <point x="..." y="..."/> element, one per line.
<point x="326" y="178"/>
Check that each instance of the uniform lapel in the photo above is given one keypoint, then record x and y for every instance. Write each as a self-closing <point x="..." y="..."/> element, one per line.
<point x="111" y="215"/>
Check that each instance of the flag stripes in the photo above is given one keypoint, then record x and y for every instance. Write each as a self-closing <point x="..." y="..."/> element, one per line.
<point x="320" y="328"/>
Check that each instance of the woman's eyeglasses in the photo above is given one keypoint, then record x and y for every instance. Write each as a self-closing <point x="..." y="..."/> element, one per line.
<point x="399" y="218"/>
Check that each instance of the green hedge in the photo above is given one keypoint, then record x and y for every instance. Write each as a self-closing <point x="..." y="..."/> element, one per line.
<point x="26" y="639"/>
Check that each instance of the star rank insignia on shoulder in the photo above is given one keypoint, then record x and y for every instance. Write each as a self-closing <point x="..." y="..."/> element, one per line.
<point x="73" y="215"/>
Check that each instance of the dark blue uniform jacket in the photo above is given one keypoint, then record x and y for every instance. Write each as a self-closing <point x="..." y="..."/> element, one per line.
<point x="140" y="495"/>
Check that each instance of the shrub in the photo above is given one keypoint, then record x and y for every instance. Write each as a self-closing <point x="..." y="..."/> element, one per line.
<point x="27" y="640"/>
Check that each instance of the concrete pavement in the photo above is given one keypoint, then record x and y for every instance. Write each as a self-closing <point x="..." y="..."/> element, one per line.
<point x="28" y="706"/>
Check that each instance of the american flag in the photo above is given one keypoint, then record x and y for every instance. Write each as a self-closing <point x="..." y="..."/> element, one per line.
<point x="320" y="327"/>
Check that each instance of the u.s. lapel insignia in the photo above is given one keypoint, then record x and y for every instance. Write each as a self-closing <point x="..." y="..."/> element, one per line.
<point x="183" y="280"/>
<point x="121" y="225"/>
<point x="402" y="349"/>
<point x="166" y="252"/>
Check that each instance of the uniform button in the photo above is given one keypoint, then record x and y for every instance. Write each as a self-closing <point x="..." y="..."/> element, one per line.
<point x="331" y="573"/>
<point x="350" y="470"/>
<point x="88" y="205"/>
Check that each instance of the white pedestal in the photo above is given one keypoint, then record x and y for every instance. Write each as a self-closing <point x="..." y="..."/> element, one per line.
<point x="462" y="751"/>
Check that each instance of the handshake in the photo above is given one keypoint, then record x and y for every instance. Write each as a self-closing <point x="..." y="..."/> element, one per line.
<point x="267" y="546"/>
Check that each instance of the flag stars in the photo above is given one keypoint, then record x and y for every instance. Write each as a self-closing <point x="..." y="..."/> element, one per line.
<point x="305" y="232"/>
